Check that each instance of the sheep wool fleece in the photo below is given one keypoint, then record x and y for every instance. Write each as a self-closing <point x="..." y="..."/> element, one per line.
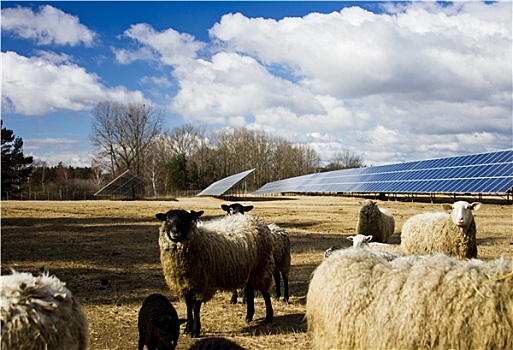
<point x="222" y="254"/>
<point x="358" y="300"/>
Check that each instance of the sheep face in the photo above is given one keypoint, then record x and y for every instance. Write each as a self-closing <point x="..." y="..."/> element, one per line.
<point x="236" y="208"/>
<point x="461" y="212"/>
<point x="178" y="222"/>
<point x="360" y="240"/>
<point x="367" y="209"/>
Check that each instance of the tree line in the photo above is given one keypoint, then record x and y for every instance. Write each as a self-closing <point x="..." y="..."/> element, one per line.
<point x="183" y="158"/>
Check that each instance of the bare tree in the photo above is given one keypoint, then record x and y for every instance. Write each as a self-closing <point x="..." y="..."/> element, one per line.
<point x="345" y="159"/>
<point x="273" y="157"/>
<point x="185" y="139"/>
<point x="123" y="133"/>
<point x="159" y="152"/>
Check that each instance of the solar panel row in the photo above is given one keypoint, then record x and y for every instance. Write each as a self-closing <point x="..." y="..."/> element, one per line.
<point x="218" y="188"/>
<point x="476" y="173"/>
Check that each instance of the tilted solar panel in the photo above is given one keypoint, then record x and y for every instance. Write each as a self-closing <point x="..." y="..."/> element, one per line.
<point x="490" y="172"/>
<point x="218" y="188"/>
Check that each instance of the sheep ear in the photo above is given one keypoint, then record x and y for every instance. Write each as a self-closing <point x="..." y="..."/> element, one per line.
<point x="475" y="206"/>
<point x="248" y="208"/>
<point x="225" y="207"/>
<point x="161" y="216"/>
<point x="196" y="214"/>
<point x="351" y="238"/>
<point x="368" y="238"/>
<point x="447" y="207"/>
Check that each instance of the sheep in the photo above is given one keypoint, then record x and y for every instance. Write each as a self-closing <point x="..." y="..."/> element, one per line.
<point x="215" y="344"/>
<point x="158" y="324"/>
<point x="388" y="251"/>
<point x="281" y="252"/>
<point x="236" y="208"/>
<point x="40" y="313"/>
<point x="357" y="299"/>
<point x="453" y="234"/>
<point x="375" y="221"/>
<point x="225" y="254"/>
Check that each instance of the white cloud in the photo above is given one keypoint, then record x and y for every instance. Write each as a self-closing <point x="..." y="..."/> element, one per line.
<point x="73" y="158"/>
<point x="234" y="85"/>
<point x="424" y="80"/>
<point x="168" y="46"/>
<point x="36" y="86"/>
<point x="52" y="151"/>
<point x="48" y="26"/>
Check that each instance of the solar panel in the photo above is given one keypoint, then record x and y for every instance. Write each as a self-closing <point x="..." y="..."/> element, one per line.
<point x="218" y="188"/>
<point x="490" y="172"/>
<point x="127" y="184"/>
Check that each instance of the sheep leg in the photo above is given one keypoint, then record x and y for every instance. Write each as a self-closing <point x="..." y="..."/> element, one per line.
<point x="233" y="300"/>
<point x="277" y="284"/>
<point x="141" y="343"/>
<point x="193" y="324"/>
<point x="285" y="288"/>
<point x="249" y="293"/>
<point x="268" y="306"/>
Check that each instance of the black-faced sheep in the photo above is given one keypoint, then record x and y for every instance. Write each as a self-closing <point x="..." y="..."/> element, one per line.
<point x="453" y="234"/>
<point x="359" y="300"/>
<point x="40" y="313"/>
<point x="281" y="252"/>
<point x="158" y="324"/>
<point x="226" y="254"/>
<point x="375" y="221"/>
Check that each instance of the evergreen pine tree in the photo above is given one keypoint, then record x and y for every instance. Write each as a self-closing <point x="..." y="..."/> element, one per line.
<point x="16" y="168"/>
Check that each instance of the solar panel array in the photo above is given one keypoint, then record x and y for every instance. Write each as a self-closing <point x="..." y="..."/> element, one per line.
<point x="486" y="173"/>
<point x="218" y="188"/>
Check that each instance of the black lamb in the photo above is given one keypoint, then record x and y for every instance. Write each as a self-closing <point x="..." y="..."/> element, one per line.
<point x="159" y="325"/>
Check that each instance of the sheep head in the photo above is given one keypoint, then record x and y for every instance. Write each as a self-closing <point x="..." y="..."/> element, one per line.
<point x="178" y="222"/>
<point x="236" y="208"/>
<point x="368" y="208"/>
<point x="360" y="240"/>
<point x="461" y="212"/>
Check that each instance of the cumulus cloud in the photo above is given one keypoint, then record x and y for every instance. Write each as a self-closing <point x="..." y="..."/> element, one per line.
<point x="38" y="85"/>
<point x="421" y="74"/>
<point x="47" y="26"/>
<point x="168" y="46"/>
<point x="234" y="85"/>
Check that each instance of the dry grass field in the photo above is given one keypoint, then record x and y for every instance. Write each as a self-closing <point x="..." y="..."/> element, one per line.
<point x="107" y="253"/>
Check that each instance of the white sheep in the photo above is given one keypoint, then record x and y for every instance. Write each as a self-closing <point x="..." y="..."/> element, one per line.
<point x="40" y="313"/>
<point x="225" y="254"/>
<point x="359" y="300"/>
<point x="453" y="234"/>
<point x="388" y="251"/>
<point x="281" y="252"/>
<point x="375" y="221"/>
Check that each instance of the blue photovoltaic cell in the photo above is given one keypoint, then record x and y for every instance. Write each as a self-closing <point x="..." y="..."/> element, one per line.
<point x="490" y="172"/>
<point x="223" y="185"/>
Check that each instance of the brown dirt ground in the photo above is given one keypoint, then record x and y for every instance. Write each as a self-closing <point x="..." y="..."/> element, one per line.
<point x="108" y="255"/>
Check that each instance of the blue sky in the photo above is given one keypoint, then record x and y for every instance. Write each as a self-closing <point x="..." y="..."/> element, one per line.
<point x="392" y="81"/>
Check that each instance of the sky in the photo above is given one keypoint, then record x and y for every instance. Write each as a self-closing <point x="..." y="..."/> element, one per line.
<point x="390" y="81"/>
